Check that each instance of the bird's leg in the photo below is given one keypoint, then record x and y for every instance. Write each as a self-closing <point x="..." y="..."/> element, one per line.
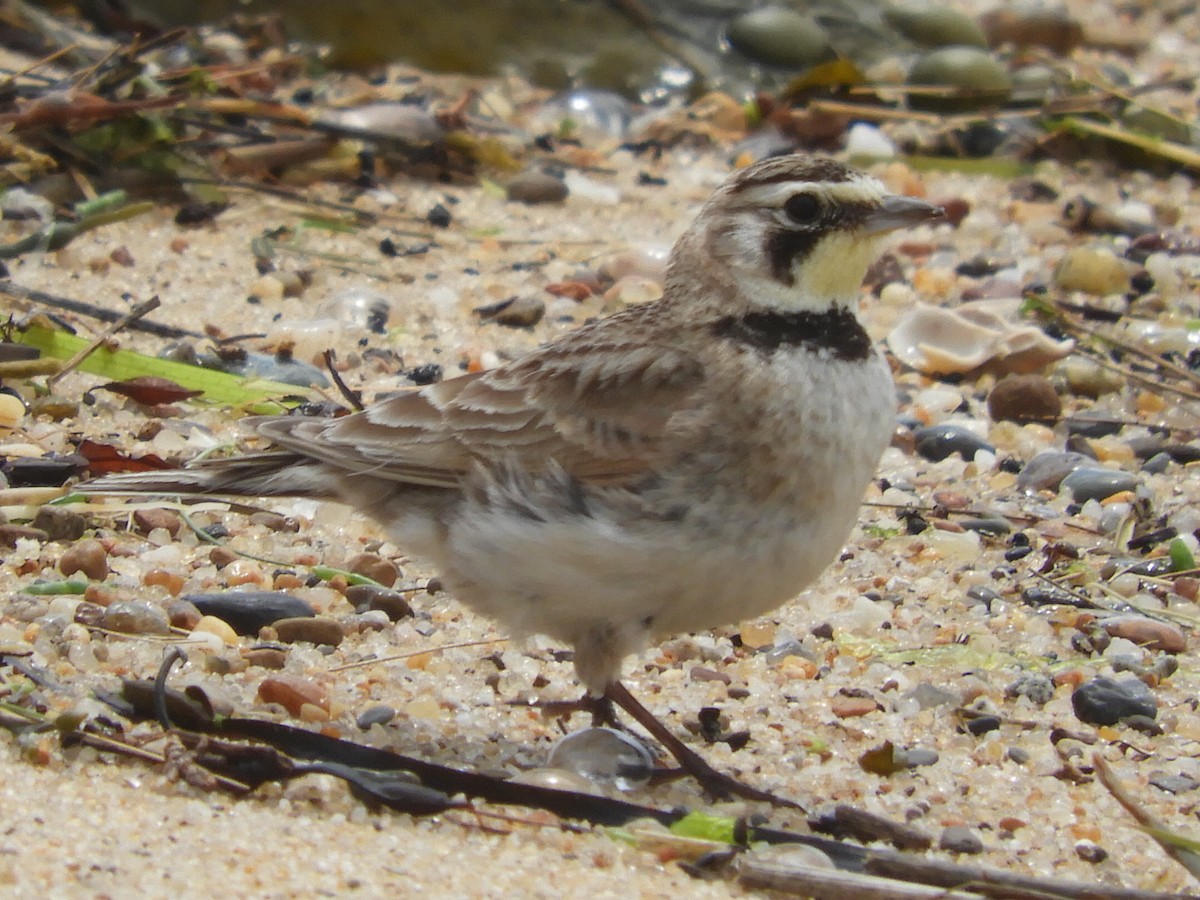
<point x="716" y="783"/>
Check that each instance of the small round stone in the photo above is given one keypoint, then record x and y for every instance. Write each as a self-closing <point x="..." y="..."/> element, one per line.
<point x="1047" y="470"/>
<point x="87" y="556"/>
<point x="60" y="524"/>
<point x="1093" y="270"/>
<point x="780" y="37"/>
<point x="960" y="839"/>
<point x="1038" y="688"/>
<point x="537" y="187"/>
<point x="367" y="597"/>
<point x="311" y="629"/>
<point x="146" y="520"/>
<point x="935" y="26"/>
<point x="214" y="626"/>
<point x="374" y="567"/>
<point x="135" y="617"/>
<point x="936" y="442"/>
<point x="970" y="68"/>
<point x="294" y="693"/>
<point x="1023" y="397"/>
<point x="376" y="715"/>
<point x="1090" y="483"/>
<point x="1105" y="701"/>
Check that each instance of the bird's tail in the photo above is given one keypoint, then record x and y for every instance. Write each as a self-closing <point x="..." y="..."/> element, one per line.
<point x="270" y="474"/>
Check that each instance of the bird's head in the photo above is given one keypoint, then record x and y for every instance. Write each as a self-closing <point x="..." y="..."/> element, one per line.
<point x="796" y="233"/>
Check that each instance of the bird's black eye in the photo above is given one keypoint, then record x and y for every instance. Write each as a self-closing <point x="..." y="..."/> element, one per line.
<point x="803" y="209"/>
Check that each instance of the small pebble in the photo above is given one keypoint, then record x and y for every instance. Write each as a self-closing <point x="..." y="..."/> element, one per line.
<point x="1046" y="471"/>
<point x="1037" y="687"/>
<point x="220" y="628"/>
<point x="438" y="217"/>
<point x="851" y="707"/>
<point x="248" y="611"/>
<point x="376" y="715"/>
<point x="1147" y="633"/>
<point x="1105" y="701"/>
<point x="537" y="187"/>
<point x="970" y="68"/>
<point x="374" y="567"/>
<point x="183" y="614"/>
<point x="776" y="36"/>
<point x="311" y="629"/>
<point x="1094" y="424"/>
<point x="936" y="442"/>
<point x="517" y="312"/>
<point x="265" y="657"/>
<point x="1089" y="483"/>
<point x="982" y="724"/>
<point x="1173" y="784"/>
<point x="1023" y="397"/>
<point x="60" y="524"/>
<point x="135" y="617"/>
<point x="934" y="25"/>
<point x="367" y="597"/>
<point x="87" y="556"/>
<point x="293" y="693"/>
<point x="146" y="520"/>
<point x="960" y="839"/>
<point x="54" y="407"/>
<point x="1091" y="852"/>
<point x="1093" y="270"/>
<point x="1157" y="464"/>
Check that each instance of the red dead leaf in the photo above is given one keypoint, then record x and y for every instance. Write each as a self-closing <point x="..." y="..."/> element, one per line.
<point x="150" y="390"/>
<point x="105" y="459"/>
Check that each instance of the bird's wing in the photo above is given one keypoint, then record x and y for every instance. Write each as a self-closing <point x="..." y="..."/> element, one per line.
<point x="599" y="402"/>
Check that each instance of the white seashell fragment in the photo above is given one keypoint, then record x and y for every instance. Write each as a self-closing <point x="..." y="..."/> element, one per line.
<point x="984" y="334"/>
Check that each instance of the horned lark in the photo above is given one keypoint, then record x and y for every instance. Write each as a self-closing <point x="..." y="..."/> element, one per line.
<point x="605" y="488"/>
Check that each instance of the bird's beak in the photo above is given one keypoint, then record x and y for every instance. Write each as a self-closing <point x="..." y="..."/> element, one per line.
<point x="900" y="212"/>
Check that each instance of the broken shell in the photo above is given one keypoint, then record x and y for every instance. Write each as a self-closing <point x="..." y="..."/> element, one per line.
<point x="984" y="334"/>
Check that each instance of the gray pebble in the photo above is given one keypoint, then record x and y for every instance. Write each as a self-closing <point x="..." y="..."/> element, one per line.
<point x="912" y="758"/>
<point x="1088" y="483"/>
<point x="929" y="696"/>
<point x="1019" y="755"/>
<point x="1173" y="784"/>
<point x="311" y="629"/>
<point x="1157" y="464"/>
<point x="59" y="523"/>
<point x="779" y="37"/>
<point x="376" y="715"/>
<point x="1037" y="687"/>
<point x="1093" y="424"/>
<point x="1105" y="701"/>
<point x="537" y="187"/>
<point x="988" y="525"/>
<point x="1047" y="470"/>
<point x="937" y="442"/>
<point x="135" y="617"/>
<point x="971" y="68"/>
<point x="960" y="839"/>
